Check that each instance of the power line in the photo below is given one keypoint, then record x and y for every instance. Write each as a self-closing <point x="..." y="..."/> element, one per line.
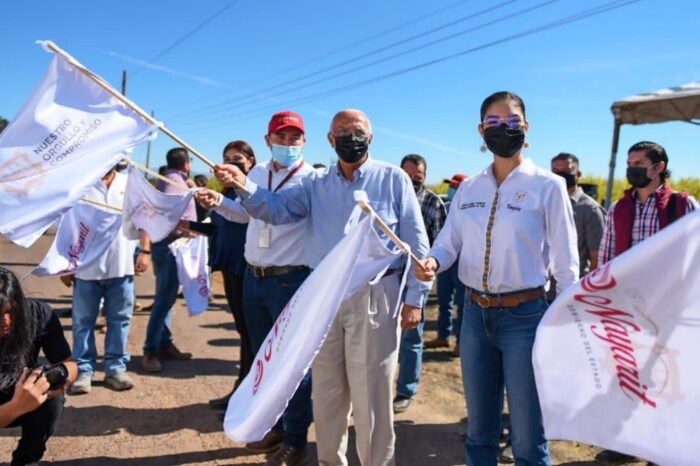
<point x="396" y="55"/>
<point x="360" y="42"/>
<point x="189" y="34"/>
<point x="336" y="51"/>
<point x="255" y="95"/>
<point x="584" y="14"/>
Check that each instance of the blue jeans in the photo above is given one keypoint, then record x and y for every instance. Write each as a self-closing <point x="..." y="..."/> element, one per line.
<point x="158" y="336"/>
<point x="410" y="361"/>
<point x="496" y="348"/>
<point x="263" y="301"/>
<point x="450" y="290"/>
<point x="118" y="294"/>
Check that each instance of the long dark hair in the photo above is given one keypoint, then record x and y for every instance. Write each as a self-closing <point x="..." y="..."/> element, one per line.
<point x="15" y="349"/>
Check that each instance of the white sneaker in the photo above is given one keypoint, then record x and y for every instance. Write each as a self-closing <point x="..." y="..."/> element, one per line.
<point x="81" y="386"/>
<point x="119" y="381"/>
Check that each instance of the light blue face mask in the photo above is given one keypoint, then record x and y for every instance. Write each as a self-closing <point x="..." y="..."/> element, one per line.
<point x="451" y="193"/>
<point x="286" y="155"/>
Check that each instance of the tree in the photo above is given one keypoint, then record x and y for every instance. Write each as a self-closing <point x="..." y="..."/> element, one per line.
<point x="3" y="123"/>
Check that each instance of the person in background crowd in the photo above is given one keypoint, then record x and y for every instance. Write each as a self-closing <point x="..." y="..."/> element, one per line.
<point x="354" y="369"/>
<point x="411" y="346"/>
<point x="450" y="291"/>
<point x="110" y="280"/>
<point x="650" y="205"/>
<point x="500" y="221"/>
<point x="159" y="340"/>
<point x="277" y="266"/>
<point x="201" y="181"/>
<point x="589" y="216"/>
<point x="27" y="398"/>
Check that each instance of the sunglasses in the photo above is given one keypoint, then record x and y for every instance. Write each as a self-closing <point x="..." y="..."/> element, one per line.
<point x="493" y="121"/>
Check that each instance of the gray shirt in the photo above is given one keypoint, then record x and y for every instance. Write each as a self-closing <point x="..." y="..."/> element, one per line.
<point x="589" y="217"/>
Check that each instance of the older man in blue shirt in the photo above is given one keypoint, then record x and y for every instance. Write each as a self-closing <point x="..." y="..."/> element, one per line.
<point x="355" y="367"/>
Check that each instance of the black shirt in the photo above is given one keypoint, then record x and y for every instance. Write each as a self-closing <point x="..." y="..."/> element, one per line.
<point x="47" y="337"/>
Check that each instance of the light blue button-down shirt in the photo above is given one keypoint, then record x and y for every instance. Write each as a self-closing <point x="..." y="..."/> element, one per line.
<point x="327" y="199"/>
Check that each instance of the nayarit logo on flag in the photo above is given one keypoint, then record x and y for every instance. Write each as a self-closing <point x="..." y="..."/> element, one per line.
<point x="615" y="355"/>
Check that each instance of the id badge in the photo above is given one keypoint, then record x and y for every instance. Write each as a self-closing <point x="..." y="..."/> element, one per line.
<point x="264" y="237"/>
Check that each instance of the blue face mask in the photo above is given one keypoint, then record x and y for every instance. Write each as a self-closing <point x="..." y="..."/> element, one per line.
<point x="286" y="155"/>
<point x="451" y="193"/>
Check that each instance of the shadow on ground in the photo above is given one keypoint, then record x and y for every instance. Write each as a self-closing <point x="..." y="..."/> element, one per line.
<point x="164" y="460"/>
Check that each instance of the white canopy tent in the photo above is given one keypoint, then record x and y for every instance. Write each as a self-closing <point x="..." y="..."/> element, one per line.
<point x="673" y="104"/>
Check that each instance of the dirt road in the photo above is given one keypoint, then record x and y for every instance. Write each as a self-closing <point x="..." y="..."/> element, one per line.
<point x="165" y="420"/>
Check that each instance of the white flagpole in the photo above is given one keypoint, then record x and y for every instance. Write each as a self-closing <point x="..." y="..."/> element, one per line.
<point x="107" y="87"/>
<point x="100" y="204"/>
<point x="380" y="223"/>
<point x="159" y="176"/>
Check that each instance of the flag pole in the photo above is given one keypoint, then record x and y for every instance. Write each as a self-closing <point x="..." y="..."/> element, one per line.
<point x="159" y="176"/>
<point x="390" y="233"/>
<point x="126" y="101"/>
<point x="100" y="204"/>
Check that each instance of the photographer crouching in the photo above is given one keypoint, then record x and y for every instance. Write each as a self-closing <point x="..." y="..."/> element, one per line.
<point x="32" y="399"/>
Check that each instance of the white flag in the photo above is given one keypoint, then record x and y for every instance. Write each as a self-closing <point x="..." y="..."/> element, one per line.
<point x="65" y="138"/>
<point x="616" y="355"/>
<point x="300" y="330"/>
<point x="149" y="209"/>
<point x="84" y="234"/>
<point x="191" y="256"/>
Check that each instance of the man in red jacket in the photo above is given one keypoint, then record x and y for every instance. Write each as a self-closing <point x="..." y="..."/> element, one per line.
<point x="643" y="210"/>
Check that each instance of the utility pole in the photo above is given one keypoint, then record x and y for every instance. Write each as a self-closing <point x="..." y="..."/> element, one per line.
<point x="123" y="82"/>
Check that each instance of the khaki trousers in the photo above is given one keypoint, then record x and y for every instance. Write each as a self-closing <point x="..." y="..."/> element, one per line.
<point x="353" y="372"/>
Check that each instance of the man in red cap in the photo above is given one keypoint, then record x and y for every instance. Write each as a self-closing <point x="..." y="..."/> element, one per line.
<point x="277" y="266"/>
<point x="450" y="290"/>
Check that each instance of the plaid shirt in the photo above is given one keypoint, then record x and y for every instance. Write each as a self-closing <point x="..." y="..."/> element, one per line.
<point x="434" y="212"/>
<point x="646" y="223"/>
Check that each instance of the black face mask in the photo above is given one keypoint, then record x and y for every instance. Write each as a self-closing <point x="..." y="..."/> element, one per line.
<point x="351" y="149"/>
<point x="637" y="177"/>
<point x="504" y="141"/>
<point x="569" y="177"/>
<point x="240" y="166"/>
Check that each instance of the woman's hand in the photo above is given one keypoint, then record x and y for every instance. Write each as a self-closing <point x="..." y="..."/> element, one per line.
<point x="208" y="198"/>
<point x="229" y="176"/>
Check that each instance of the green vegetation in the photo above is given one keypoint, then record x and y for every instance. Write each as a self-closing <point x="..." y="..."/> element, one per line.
<point x="688" y="184"/>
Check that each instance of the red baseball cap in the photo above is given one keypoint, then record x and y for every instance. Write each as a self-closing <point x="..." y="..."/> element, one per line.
<point x="286" y="119"/>
<point x="456" y="179"/>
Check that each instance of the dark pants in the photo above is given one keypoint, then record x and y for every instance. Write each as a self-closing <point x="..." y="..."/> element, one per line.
<point x="37" y="427"/>
<point x="233" y="287"/>
<point x="264" y="300"/>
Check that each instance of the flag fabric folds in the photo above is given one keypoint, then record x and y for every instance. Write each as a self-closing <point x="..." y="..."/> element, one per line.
<point x="149" y="209"/>
<point x="84" y="234"/>
<point x="68" y="134"/>
<point x="191" y="257"/>
<point x="300" y="330"/>
<point x="616" y="355"/>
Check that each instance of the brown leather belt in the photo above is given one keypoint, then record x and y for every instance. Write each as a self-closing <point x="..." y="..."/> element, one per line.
<point x="264" y="272"/>
<point x="486" y="300"/>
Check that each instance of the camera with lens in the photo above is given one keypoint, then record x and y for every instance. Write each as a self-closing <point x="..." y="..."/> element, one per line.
<point x="56" y="374"/>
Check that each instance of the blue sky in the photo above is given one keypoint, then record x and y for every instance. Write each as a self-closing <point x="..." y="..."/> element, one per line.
<point x="224" y="78"/>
